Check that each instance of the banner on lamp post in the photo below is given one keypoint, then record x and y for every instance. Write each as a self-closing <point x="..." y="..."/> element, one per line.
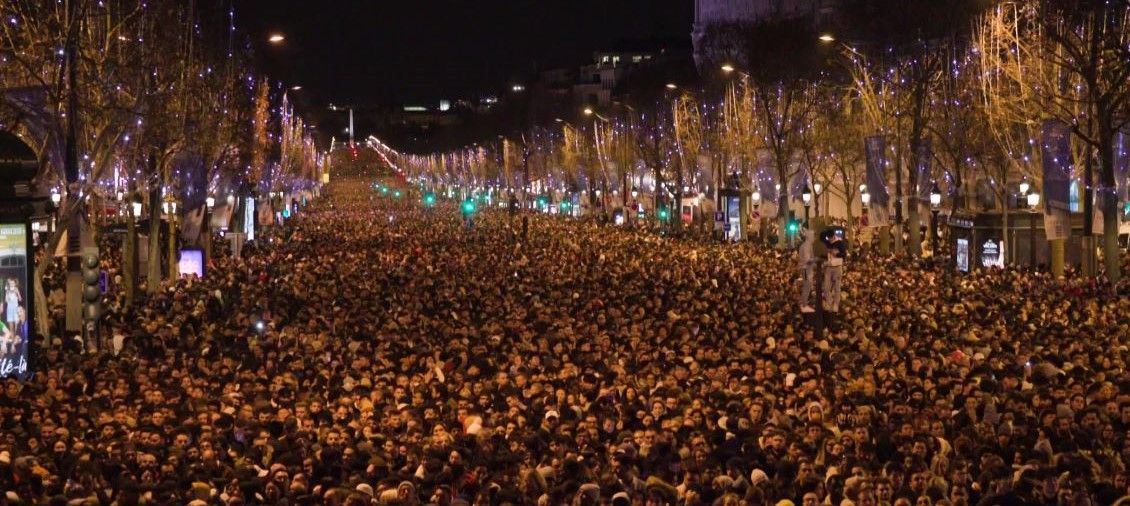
<point x="1056" y="153"/>
<point x="875" y="147"/>
<point x="1057" y="224"/>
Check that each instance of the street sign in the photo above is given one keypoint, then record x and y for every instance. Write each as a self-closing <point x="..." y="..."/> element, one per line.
<point x="756" y="215"/>
<point x="718" y="216"/>
<point x="726" y="228"/>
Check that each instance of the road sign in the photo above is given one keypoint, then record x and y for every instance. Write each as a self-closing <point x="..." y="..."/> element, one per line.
<point x="718" y="216"/>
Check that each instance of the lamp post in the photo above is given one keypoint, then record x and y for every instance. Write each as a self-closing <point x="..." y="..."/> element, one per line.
<point x="806" y="197"/>
<point x="1033" y="203"/>
<point x="817" y="191"/>
<point x="865" y="199"/>
<point x="170" y="208"/>
<point x="133" y="212"/>
<point x="209" y="203"/>
<point x="56" y="199"/>
<point x="935" y="206"/>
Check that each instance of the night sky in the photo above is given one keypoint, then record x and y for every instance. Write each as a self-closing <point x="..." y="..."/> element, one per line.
<point x="380" y="52"/>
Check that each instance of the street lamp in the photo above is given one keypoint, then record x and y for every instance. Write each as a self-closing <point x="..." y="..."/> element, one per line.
<point x="209" y="203"/>
<point x="170" y="205"/>
<point x="672" y="86"/>
<point x="135" y="203"/>
<point x="827" y="38"/>
<point x="756" y="197"/>
<point x="56" y="197"/>
<point x="727" y="68"/>
<point x="806" y="197"/>
<point x="276" y="38"/>
<point x="935" y="206"/>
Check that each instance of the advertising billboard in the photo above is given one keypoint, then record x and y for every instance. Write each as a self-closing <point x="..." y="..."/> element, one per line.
<point x="15" y="326"/>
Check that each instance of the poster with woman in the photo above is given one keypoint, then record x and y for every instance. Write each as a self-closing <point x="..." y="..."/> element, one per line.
<point x="14" y="326"/>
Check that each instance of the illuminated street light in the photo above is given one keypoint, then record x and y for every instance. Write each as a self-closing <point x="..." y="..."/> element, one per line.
<point x="296" y="87"/>
<point x="672" y="86"/>
<point x="827" y="38"/>
<point x="727" y="68"/>
<point x="588" y="111"/>
<point x="276" y="38"/>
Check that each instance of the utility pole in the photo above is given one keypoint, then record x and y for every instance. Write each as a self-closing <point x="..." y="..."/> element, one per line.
<point x="74" y="322"/>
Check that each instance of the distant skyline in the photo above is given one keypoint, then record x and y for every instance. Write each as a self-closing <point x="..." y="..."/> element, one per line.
<point x="384" y="52"/>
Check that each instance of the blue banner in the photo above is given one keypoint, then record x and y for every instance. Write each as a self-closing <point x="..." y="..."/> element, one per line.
<point x="1056" y="155"/>
<point x="876" y="150"/>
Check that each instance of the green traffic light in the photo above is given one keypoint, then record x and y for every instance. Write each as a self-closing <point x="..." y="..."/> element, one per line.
<point x="429" y="199"/>
<point x="663" y="213"/>
<point x="396" y="194"/>
<point x="468" y="206"/>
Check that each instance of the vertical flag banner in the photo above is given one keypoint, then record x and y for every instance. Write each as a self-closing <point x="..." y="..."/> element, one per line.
<point x="1056" y="153"/>
<point x="875" y="147"/>
<point x="1122" y="165"/>
<point x="876" y="150"/>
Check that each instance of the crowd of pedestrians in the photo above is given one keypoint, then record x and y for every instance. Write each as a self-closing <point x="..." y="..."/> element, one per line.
<point x="374" y="351"/>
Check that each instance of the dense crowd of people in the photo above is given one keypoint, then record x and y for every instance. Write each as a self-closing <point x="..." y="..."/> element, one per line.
<point x="374" y="351"/>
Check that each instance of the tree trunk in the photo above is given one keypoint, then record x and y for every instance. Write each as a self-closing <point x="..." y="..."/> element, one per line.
<point x="913" y="223"/>
<point x="1088" y="259"/>
<point x="153" y="277"/>
<point x="1109" y="202"/>
<point x="1056" y="252"/>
